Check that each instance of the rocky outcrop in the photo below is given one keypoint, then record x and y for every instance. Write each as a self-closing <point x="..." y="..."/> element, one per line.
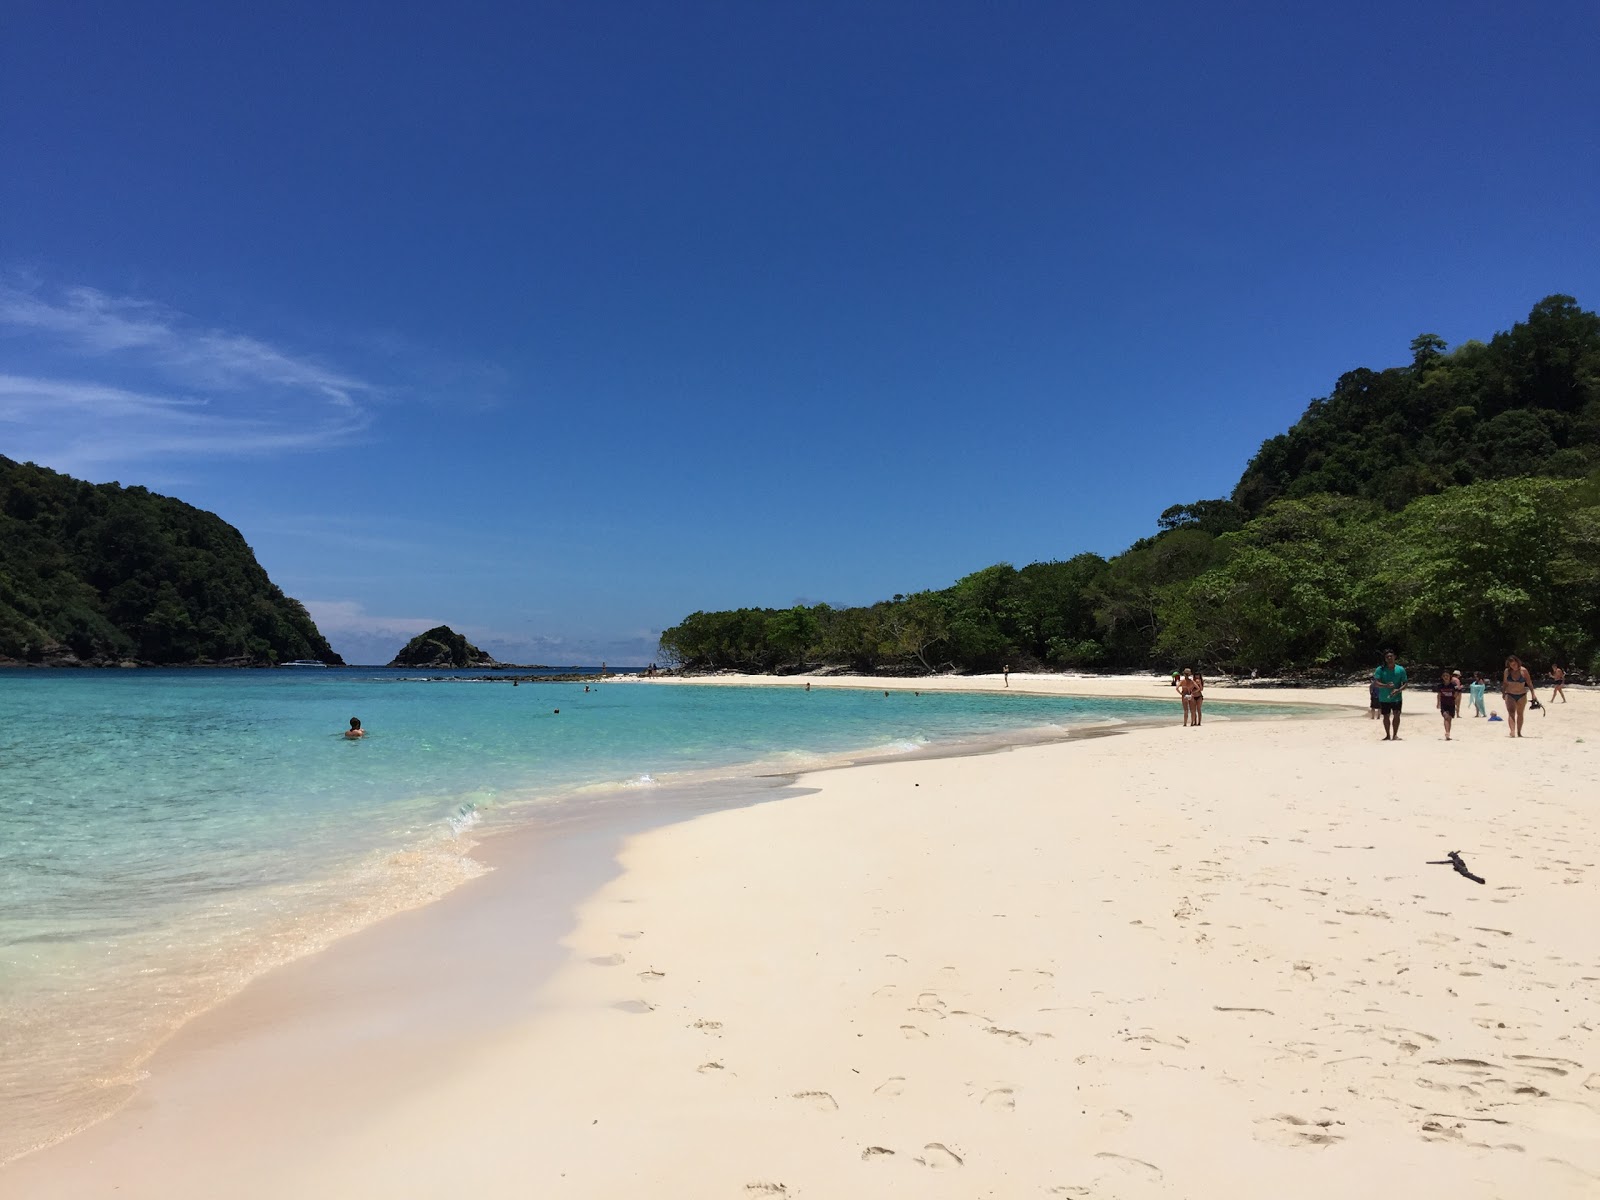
<point x="441" y="646"/>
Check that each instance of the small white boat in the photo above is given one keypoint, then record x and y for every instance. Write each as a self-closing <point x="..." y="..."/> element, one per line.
<point x="305" y="662"/>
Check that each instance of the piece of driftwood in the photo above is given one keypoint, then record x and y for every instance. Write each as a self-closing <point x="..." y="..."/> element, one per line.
<point x="1454" y="859"/>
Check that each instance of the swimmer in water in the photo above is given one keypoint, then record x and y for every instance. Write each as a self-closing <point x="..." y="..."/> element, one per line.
<point x="355" y="730"/>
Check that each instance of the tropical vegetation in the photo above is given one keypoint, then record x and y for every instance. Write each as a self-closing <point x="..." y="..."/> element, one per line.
<point x="98" y="573"/>
<point x="1449" y="507"/>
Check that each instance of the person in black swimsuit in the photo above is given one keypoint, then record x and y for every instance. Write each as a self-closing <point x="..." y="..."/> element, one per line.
<point x="1515" y="686"/>
<point x="1449" y="698"/>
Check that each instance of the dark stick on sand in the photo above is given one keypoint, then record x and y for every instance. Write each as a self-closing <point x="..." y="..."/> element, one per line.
<point x="1454" y="859"/>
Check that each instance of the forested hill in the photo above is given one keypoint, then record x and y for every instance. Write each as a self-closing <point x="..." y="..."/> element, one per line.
<point x="1449" y="507"/>
<point x="100" y="573"/>
<point x="1527" y="403"/>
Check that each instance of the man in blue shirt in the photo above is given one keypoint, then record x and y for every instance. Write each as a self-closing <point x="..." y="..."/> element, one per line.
<point x="1391" y="681"/>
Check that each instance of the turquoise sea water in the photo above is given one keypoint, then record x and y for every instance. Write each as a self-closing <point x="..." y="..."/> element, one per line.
<point x="166" y="835"/>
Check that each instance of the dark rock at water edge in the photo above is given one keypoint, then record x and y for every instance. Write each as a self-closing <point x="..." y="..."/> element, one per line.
<point x="441" y="646"/>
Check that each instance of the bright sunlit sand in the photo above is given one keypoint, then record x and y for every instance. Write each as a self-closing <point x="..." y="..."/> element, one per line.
<point x="1175" y="962"/>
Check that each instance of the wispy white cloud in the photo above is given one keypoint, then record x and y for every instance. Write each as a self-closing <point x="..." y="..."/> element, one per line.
<point x="363" y="637"/>
<point x="146" y="382"/>
<point x="349" y="616"/>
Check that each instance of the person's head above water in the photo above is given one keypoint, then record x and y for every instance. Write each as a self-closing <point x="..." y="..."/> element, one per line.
<point x="355" y="722"/>
<point x="355" y="730"/>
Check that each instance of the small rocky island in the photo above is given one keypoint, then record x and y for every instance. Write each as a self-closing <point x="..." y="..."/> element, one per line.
<point x="441" y="646"/>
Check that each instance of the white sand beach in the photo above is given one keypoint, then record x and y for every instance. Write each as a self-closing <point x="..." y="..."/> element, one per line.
<point x="1209" y="962"/>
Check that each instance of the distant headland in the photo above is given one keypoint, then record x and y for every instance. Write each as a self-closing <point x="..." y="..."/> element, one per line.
<point x="99" y="575"/>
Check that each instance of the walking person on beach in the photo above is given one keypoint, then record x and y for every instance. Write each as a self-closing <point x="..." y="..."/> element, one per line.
<point x="1391" y="681"/>
<point x="1477" y="690"/>
<point x="1516" y="685"/>
<point x="1449" y="700"/>
<point x="1558" y="683"/>
<point x="1460" y="690"/>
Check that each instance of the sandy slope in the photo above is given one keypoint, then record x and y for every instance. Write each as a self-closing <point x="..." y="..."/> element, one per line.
<point x="1184" y="963"/>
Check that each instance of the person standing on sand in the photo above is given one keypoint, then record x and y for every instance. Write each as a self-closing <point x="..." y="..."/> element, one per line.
<point x="1477" y="689"/>
<point x="1372" y="695"/>
<point x="1558" y="683"/>
<point x="1197" y="695"/>
<point x="1449" y="698"/>
<point x="1460" y="690"/>
<point x="1391" y="681"/>
<point x="1005" y="674"/>
<point x="1182" y="684"/>
<point x="1515" y="686"/>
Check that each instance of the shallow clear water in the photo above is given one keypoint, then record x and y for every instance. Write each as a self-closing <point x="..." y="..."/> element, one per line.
<point x="165" y="835"/>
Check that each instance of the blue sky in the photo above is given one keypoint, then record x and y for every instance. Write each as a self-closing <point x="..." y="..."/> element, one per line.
<point x="556" y="322"/>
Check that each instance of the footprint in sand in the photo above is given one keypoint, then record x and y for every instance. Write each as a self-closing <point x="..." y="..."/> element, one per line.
<point x="872" y="1152"/>
<point x="651" y="974"/>
<point x="707" y="1067"/>
<point x="818" y="1101"/>
<point x="608" y="960"/>
<point x="765" y="1189"/>
<point x="1130" y="1166"/>
<point x="1000" y="1098"/>
<point x="1286" y="1129"/>
<point x="911" y="1031"/>
<point x="634" y="1006"/>
<point x="707" y="1026"/>
<point x="1549" y="1066"/>
<point x="891" y="1086"/>
<point x="939" y="1156"/>
<point x="1010" y="1035"/>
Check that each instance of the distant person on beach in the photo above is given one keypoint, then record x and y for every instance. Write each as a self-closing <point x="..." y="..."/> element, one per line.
<point x="1515" y="687"/>
<point x="1391" y="681"/>
<point x="1197" y="695"/>
<point x="1558" y="683"/>
<point x="808" y="685"/>
<point x="1372" y="695"/>
<point x="355" y="730"/>
<point x="1477" y="690"/>
<point x="1181" y="682"/>
<point x="1449" y="698"/>
<point x="1460" y="690"/>
<point x="1005" y="673"/>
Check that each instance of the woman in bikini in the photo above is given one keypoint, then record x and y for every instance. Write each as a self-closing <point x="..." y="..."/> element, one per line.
<point x="1558" y="683"/>
<point x="1197" y="695"/>
<point x="1515" y="685"/>
<point x="1449" y="700"/>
